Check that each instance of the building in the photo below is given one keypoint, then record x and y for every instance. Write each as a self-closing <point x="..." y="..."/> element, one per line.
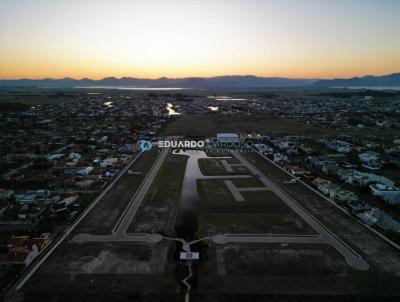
<point x="230" y="138"/>
<point x="326" y="186"/>
<point x="295" y="170"/>
<point x="370" y="160"/>
<point x="390" y="194"/>
<point x="357" y="206"/>
<point x="280" y="158"/>
<point x="6" y="194"/>
<point x="344" y="196"/>
<point x="359" y="178"/>
<point x="23" y="250"/>
<point x="189" y="256"/>
<point x="380" y="219"/>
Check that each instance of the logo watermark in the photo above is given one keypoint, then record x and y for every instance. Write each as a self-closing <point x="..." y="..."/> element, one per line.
<point x="201" y="144"/>
<point x="144" y="146"/>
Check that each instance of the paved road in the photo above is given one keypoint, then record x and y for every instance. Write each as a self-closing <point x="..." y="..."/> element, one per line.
<point x="352" y="258"/>
<point x="234" y="191"/>
<point x="264" y="238"/>
<point x="130" y="211"/>
<point x="227" y="166"/>
<point x="136" y="237"/>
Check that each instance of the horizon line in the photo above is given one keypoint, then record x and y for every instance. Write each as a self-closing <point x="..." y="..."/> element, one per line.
<point x="191" y="77"/>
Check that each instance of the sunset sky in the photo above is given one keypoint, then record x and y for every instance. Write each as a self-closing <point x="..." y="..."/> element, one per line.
<point x="150" y="39"/>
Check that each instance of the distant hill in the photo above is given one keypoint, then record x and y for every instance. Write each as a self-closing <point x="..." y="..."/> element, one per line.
<point x="195" y="82"/>
<point x="233" y="81"/>
<point x="391" y="80"/>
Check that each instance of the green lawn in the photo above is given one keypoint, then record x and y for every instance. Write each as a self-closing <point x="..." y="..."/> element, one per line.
<point x="216" y="197"/>
<point x="210" y="124"/>
<point x="261" y="212"/>
<point x="157" y="211"/>
<point x="251" y="223"/>
<point x="266" y="167"/>
<point x="211" y="167"/>
<point x="86" y="198"/>
<point x="250" y="182"/>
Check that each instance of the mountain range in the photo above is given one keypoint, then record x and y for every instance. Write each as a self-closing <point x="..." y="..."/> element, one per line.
<point x="233" y="81"/>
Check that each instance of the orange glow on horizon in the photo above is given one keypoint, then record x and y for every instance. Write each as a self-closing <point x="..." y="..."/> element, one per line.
<point x="175" y="39"/>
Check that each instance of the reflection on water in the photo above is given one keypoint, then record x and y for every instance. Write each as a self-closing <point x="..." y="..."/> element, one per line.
<point x="190" y="205"/>
<point x="171" y="110"/>
<point x="226" y="98"/>
<point x="108" y="104"/>
<point x="213" y="108"/>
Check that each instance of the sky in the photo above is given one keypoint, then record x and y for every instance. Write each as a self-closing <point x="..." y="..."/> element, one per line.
<point x="151" y="39"/>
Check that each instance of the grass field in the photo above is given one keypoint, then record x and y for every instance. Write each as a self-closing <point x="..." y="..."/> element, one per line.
<point x="211" y="167"/>
<point x="266" y="167"/>
<point x="98" y="267"/>
<point x="316" y="270"/>
<point x="251" y="223"/>
<point x="157" y="211"/>
<point x="221" y="152"/>
<point x="248" y="182"/>
<point x="261" y="212"/>
<point x="210" y="124"/>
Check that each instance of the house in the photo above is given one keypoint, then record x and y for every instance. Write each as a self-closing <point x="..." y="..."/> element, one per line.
<point x="22" y="255"/>
<point x="85" y="171"/>
<point x="29" y="198"/>
<point x="359" y="178"/>
<point x="32" y="197"/>
<point x="264" y="149"/>
<point x="84" y="185"/>
<point x="74" y="155"/>
<point x="292" y="151"/>
<point x="69" y="200"/>
<point x="337" y="145"/>
<point x="357" y="206"/>
<point x="325" y="186"/>
<point x="370" y="160"/>
<point x="280" y="158"/>
<point x="329" y="167"/>
<point x="380" y="219"/>
<point x="55" y="156"/>
<point x="390" y="194"/>
<point x="108" y="162"/>
<point x="368" y="156"/>
<point x="6" y="194"/>
<point x="295" y="170"/>
<point x="344" y="196"/>
<point x="32" y="211"/>
<point x="23" y="249"/>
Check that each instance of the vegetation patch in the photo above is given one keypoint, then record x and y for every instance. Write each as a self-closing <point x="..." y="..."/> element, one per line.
<point x="157" y="211"/>
<point x="212" y="167"/>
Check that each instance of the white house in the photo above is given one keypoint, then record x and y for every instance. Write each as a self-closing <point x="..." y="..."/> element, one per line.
<point x="344" y="195"/>
<point x="370" y="160"/>
<point x="326" y="186"/>
<point x="378" y="218"/>
<point x="390" y="194"/>
<point x="279" y="158"/>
